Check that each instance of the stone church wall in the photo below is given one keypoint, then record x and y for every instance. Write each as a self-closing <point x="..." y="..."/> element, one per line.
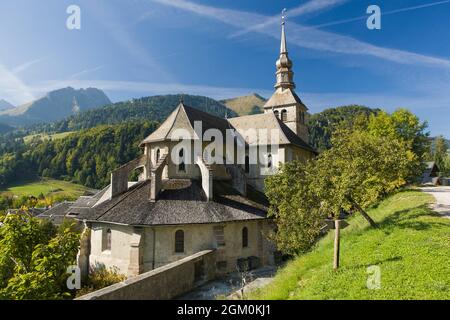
<point x="158" y="245"/>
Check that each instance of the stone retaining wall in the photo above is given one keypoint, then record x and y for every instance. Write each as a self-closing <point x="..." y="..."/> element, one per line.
<point x="162" y="283"/>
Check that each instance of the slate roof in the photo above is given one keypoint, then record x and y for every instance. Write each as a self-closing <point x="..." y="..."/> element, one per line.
<point x="33" y="211"/>
<point x="284" y="97"/>
<point x="180" y="202"/>
<point x="270" y="122"/>
<point x="56" y="214"/>
<point x="184" y="117"/>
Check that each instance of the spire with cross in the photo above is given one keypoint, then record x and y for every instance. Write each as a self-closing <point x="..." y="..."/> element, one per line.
<point x="285" y="76"/>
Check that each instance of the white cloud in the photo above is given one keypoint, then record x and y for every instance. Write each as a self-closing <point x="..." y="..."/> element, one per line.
<point x="12" y="88"/>
<point x="86" y="71"/>
<point x="308" y="37"/>
<point x="113" y="23"/>
<point x="25" y="66"/>
<point x="384" y="13"/>
<point x="308" y="7"/>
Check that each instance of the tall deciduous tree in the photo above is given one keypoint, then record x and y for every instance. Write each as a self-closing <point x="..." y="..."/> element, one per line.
<point x="405" y="126"/>
<point x="295" y="207"/>
<point x="359" y="170"/>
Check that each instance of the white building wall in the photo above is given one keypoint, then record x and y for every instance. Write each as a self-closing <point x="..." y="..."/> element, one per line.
<point x="197" y="238"/>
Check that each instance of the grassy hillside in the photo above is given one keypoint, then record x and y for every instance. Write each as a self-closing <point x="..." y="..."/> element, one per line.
<point x="46" y="186"/>
<point x="245" y="105"/>
<point x="411" y="246"/>
<point x="45" y="136"/>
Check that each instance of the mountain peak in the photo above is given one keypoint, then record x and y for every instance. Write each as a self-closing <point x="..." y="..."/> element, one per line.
<point x="5" y="105"/>
<point x="55" y="105"/>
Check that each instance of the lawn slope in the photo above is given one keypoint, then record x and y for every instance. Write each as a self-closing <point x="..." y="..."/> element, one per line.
<point x="46" y="186"/>
<point x="411" y="247"/>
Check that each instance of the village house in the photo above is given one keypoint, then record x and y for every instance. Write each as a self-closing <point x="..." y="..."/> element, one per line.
<point x="182" y="203"/>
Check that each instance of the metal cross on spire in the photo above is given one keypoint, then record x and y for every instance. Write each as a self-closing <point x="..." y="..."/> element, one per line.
<point x="283" y="15"/>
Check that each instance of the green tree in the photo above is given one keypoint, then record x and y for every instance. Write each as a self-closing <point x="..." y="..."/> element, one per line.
<point x="293" y="205"/>
<point x="323" y="125"/>
<point x="34" y="257"/>
<point x="403" y="125"/>
<point x="359" y="170"/>
<point x="355" y="173"/>
<point x="440" y="153"/>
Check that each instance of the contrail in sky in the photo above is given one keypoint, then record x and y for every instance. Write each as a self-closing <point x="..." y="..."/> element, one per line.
<point x="427" y="5"/>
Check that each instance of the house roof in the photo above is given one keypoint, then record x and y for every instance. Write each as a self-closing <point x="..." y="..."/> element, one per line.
<point x="180" y="202"/>
<point x="431" y="165"/>
<point x="283" y="97"/>
<point x="270" y="122"/>
<point x="184" y="117"/>
<point x="57" y="214"/>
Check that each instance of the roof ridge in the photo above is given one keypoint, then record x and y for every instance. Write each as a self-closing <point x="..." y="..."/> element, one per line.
<point x="126" y="195"/>
<point x="203" y="112"/>
<point x="177" y="110"/>
<point x="280" y="123"/>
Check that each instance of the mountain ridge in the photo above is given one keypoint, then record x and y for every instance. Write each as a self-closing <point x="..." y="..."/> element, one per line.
<point x="5" y="105"/>
<point x="246" y="105"/>
<point x="54" y="106"/>
<point x="153" y="108"/>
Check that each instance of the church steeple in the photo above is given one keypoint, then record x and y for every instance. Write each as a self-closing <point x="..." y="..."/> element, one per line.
<point x="284" y="74"/>
<point x="284" y="102"/>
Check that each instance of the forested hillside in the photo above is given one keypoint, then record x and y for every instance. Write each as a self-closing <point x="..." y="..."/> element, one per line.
<point x="107" y="137"/>
<point x="322" y="125"/>
<point x="104" y="139"/>
<point x="86" y="157"/>
<point x="155" y="108"/>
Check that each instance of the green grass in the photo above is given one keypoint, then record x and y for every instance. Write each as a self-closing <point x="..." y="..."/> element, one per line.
<point x="411" y="247"/>
<point x="43" y="136"/>
<point x="46" y="186"/>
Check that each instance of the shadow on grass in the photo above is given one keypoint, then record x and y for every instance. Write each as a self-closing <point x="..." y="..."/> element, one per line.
<point x="376" y="263"/>
<point x="409" y="219"/>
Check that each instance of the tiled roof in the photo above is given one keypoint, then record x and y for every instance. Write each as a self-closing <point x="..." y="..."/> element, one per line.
<point x="180" y="202"/>
<point x="270" y="122"/>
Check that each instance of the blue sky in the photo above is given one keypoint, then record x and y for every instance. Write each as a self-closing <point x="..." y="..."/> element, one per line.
<point x="222" y="49"/>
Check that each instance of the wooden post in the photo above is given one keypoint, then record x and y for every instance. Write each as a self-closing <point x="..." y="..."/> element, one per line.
<point x="337" y="224"/>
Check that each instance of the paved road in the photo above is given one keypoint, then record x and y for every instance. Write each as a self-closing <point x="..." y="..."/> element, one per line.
<point x="442" y="195"/>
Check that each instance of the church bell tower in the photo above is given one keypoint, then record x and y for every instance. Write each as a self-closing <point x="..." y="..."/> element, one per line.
<point x="285" y="103"/>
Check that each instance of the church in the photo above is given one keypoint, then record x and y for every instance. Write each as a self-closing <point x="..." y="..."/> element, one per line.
<point x="183" y="202"/>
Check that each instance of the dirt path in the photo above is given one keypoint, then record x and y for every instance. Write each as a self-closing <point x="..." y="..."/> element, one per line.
<point x="442" y="196"/>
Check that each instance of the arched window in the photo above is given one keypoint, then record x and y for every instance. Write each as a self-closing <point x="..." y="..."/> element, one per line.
<point x="181" y="166"/>
<point x="158" y="154"/>
<point x="107" y="240"/>
<point x="247" y="164"/>
<point x="277" y="113"/>
<point x="179" y="241"/>
<point x="244" y="237"/>
<point x="284" y="115"/>
<point x="269" y="161"/>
